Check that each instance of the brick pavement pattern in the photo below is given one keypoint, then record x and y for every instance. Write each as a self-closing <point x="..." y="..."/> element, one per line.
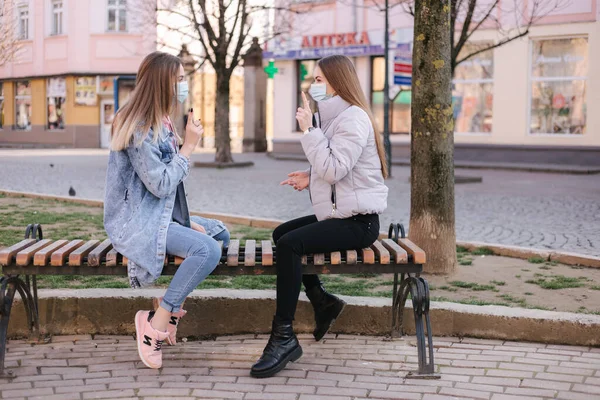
<point x="546" y="211"/>
<point x="342" y="367"/>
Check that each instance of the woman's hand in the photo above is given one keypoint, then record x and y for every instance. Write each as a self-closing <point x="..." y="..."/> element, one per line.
<point x="193" y="134"/>
<point x="304" y="115"/>
<point x="299" y="180"/>
<point x="197" y="227"/>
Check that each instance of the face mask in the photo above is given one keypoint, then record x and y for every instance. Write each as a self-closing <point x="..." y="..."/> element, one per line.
<point x="182" y="91"/>
<point x="318" y="91"/>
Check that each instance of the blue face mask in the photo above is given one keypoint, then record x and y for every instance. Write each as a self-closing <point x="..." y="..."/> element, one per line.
<point x="182" y="91"/>
<point x="318" y="91"/>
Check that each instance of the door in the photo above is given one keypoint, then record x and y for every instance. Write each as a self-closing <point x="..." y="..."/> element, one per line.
<point x="107" y="114"/>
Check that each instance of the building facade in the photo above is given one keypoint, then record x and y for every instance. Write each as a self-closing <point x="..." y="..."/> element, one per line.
<point x="528" y="101"/>
<point x="58" y="88"/>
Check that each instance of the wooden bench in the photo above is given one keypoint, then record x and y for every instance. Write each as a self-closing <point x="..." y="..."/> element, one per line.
<point x="34" y="256"/>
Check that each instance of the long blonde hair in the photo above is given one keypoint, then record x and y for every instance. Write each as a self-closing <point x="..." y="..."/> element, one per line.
<point x="152" y="99"/>
<point x="341" y="75"/>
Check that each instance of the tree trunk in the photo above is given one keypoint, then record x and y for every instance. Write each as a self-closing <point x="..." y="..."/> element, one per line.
<point x="222" y="138"/>
<point x="432" y="224"/>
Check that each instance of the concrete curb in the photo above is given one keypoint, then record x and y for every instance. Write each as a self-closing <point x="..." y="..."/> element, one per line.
<point x="217" y="312"/>
<point x="497" y="249"/>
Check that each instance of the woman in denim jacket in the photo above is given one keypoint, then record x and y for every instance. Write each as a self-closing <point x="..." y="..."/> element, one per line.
<point x="145" y="209"/>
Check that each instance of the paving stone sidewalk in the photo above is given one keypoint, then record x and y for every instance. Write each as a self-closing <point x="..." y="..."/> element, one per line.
<point x="342" y="367"/>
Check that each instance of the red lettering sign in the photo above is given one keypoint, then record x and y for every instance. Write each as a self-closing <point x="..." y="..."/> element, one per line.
<point x="336" y="40"/>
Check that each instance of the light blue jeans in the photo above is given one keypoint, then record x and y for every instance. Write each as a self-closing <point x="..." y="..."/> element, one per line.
<point x="201" y="254"/>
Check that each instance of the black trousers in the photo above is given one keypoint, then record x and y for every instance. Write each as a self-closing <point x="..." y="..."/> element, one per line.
<point x="306" y="235"/>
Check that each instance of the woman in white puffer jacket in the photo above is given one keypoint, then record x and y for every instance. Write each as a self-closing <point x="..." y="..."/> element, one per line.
<point x="346" y="183"/>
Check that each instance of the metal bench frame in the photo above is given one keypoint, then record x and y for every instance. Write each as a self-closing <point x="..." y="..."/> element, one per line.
<point x="410" y="282"/>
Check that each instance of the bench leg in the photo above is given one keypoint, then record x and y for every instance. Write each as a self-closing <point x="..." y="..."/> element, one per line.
<point x="9" y="285"/>
<point x="419" y="291"/>
<point x="7" y="294"/>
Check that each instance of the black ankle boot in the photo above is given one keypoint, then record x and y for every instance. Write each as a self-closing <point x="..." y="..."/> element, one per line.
<point x="327" y="308"/>
<point x="282" y="348"/>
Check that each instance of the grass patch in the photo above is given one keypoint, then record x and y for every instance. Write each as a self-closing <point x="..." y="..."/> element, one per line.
<point x="448" y="288"/>
<point x="518" y="276"/>
<point x="556" y="282"/>
<point x="536" y="260"/>
<point x="465" y="262"/>
<point x="528" y="294"/>
<point x="472" y="285"/>
<point x="545" y="267"/>
<point x="498" y="283"/>
<point x="595" y="287"/>
<point x="461" y="249"/>
<point x="515" y="300"/>
<point x="583" y="310"/>
<point x="482" y="251"/>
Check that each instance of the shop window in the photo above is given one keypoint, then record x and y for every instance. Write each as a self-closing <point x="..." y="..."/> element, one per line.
<point x="57" y="17"/>
<point x="473" y="92"/>
<point x="558" y="86"/>
<point x="117" y="15"/>
<point x="1" y="104"/>
<point x="23" y="105"/>
<point x="56" y="103"/>
<point x="399" y="105"/>
<point x="23" y="22"/>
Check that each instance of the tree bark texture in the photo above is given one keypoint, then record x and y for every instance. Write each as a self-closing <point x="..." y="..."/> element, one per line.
<point x="222" y="137"/>
<point x="432" y="219"/>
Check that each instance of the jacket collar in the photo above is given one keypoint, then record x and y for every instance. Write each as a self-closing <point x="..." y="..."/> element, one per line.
<point x="330" y="109"/>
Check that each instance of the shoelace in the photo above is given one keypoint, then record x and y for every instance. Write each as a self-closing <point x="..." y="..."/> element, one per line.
<point x="157" y="345"/>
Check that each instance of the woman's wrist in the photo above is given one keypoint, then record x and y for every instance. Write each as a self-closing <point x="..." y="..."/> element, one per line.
<point x="186" y="151"/>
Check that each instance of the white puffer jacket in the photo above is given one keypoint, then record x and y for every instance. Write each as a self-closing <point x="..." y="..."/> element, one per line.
<point x="346" y="177"/>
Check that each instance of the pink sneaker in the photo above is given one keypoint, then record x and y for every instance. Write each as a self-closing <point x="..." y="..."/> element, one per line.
<point x="149" y="340"/>
<point x="175" y="317"/>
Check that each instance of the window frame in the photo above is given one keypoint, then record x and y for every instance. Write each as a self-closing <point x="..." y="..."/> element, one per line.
<point x="54" y="12"/>
<point x="23" y="8"/>
<point x="479" y="81"/>
<point x="63" y="104"/>
<point x="118" y="8"/>
<point x="531" y="79"/>
<point x="22" y="97"/>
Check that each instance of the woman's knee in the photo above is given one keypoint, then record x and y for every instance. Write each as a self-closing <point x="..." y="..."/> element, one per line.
<point x="210" y="250"/>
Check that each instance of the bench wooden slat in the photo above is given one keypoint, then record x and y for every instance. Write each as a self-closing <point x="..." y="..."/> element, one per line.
<point x="233" y="253"/>
<point x="7" y="254"/>
<point x="25" y="256"/>
<point x="76" y="257"/>
<point x="178" y="260"/>
<point x="42" y="257"/>
<point x="319" y="259"/>
<point x="59" y="256"/>
<point x="267" y="253"/>
<point x="415" y="251"/>
<point x="399" y="254"/>
<point x="336" y="258"/>
<point x="125" y="261"/>
<point x="368" y="256"/>
<point x="381" y="252"/>
<point x="111" y="258"/>
<point x="304" y="260"/>
<point x="351" y="257"/>
<point x="250" y="253"/>
<point x="95" y="256"/>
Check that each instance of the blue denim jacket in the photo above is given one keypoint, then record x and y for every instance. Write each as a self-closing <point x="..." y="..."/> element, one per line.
<point x="141" y="185"/>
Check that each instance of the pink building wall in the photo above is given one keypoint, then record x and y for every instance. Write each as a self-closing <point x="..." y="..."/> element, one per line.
<point x="85" y="47"/>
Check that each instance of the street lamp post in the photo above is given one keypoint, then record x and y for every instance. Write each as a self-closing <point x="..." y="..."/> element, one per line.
<point x="386" y="96"/>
